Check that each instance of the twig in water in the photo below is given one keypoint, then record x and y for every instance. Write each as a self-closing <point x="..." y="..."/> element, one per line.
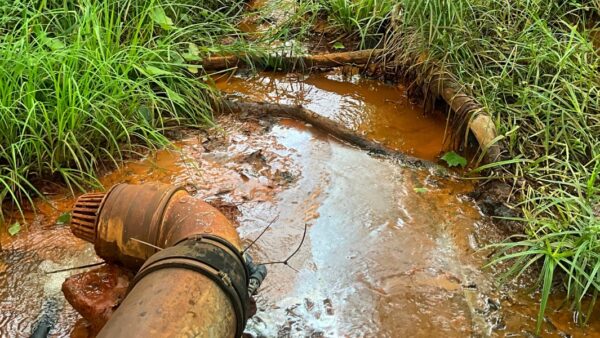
<point x="262" y="233"/>
<point x="291" y="267"/>
<point x="148" y="244"/>
<point x="77" y="267"/>
<point x="286" y="261"/>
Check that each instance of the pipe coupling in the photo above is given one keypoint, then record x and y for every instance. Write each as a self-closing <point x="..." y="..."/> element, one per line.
<point x="214" y="258"/>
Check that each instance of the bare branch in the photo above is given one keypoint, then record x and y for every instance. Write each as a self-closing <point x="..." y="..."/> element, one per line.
<point x="262" y="233"/>
<point x="76" y="268"/>
<point x="287" y="260"/>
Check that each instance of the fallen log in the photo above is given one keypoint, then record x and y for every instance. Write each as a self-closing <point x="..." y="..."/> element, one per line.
<point x="464" y="106"/>
<point x="328" y="60"/>
<point x="480" y="122"/>
<point x="324" y="124"/>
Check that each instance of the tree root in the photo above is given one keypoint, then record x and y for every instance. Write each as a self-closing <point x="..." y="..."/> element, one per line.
<point x="480" y="122"/>
<point x="324" y="124"/>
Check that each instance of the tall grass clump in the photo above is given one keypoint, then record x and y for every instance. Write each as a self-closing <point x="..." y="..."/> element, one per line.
<point x="366" y="18"/>
<point x="533" y="66"/>
<point x="290" y="22"/>
<point x="84" y="82"/>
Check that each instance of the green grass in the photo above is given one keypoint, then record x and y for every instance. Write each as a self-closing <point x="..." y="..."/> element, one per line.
<point x="84" y="83"/>
<point x="285" y="25"/>
<point x="367" y="18"/>
<point x="533" y="66"/>
<point x="362" y="20"/>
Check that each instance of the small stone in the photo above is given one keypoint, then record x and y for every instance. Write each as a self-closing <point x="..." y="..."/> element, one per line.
<point x="97" y="293"/>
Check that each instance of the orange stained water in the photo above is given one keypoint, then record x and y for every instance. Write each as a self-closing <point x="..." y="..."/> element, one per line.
<point x="380" y="111"/>
<point x="390" y="250"/>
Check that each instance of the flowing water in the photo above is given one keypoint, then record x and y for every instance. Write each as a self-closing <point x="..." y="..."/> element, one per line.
<point x="390" y="250"/>
<point x="379" y="111"/>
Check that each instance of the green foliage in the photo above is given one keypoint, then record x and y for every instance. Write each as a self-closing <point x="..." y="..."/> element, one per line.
<point x="454" y="160"/>
<point x="83" y="83"/>
<point x="363" y="17"/>
<point x="533" y="66"/>
<point x="294" y="22"/>
<point x="159" y="16"/>
<point x="64" y="218"/>
<point x="421" y="190"/>
<point x="14" y="228"/>
<point x="338" y="45"/>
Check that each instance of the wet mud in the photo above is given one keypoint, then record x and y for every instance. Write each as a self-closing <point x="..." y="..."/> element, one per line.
<point x="390" y="250"/>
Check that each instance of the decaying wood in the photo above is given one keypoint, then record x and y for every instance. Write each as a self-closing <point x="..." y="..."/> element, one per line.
<point x="297" y="112"/>
<point x="329" y="60"/>
<point x="480" y="122"/>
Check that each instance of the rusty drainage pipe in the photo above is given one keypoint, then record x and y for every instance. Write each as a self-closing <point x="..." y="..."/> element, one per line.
<point x="192" y="278"/>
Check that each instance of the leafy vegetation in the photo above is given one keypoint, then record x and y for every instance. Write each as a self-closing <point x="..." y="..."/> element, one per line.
<point x="366" y="18"/>
<point x="14" y="228"/>
<point x="454" y="160"/>
<point x="86" y="81"/>
<point x="363" y="21"/>
<point x="533" y="66"/>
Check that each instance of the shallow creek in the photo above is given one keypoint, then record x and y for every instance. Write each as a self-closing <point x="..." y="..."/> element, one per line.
<point x="380" y="111"/>
<point x="390" y="250"/>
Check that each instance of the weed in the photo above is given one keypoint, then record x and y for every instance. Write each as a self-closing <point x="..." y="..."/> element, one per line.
<point x="86" y="81"/>
<point x="532" y="65"/>
<point x="363" y="19"/>
<point x="367" y="18"/>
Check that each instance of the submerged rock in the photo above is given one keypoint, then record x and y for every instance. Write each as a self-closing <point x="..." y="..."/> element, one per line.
<point x="96" y="294"/>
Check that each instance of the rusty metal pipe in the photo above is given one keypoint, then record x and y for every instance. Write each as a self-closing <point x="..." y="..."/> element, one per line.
<point x="208" y="312"/>
<point x="129" y="222"/>
<point x="192" y="278"/>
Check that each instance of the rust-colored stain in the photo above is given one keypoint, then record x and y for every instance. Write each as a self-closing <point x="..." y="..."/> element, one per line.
<point x="134" y="221"/>
<point x="173" y="303"/>
<point x="96" y="294"/>
<point x="382" y="112"/>
<point x="390" y="250"/>
<point x="190" y="216"/>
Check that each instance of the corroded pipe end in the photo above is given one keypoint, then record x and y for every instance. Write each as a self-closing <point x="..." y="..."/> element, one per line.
<point x="129" y="223"/>
<point x="85" y="215"/>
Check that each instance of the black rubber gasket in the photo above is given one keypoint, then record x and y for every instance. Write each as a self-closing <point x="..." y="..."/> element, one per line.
<point x="213" y="257"/>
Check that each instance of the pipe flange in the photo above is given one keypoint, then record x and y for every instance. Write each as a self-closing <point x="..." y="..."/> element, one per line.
<point x="213" y="257"/>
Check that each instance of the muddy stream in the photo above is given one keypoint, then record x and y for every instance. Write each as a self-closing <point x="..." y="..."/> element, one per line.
<point x="390" y="250"/>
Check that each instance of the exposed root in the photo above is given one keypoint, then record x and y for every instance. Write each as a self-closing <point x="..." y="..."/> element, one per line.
<point x="297" y="112"/>
<point x="479" y="121"/>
